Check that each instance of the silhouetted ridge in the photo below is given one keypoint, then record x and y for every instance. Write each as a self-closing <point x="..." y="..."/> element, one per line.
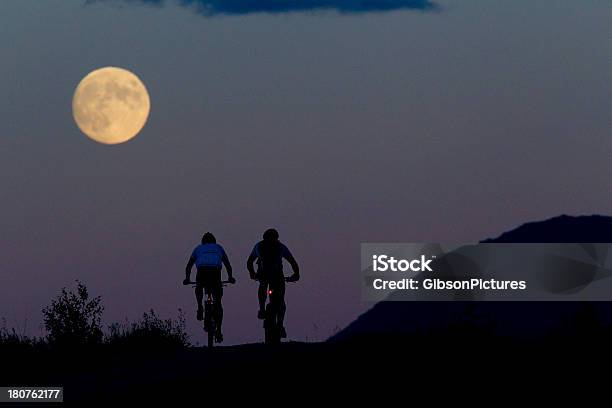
<point x="508" y="319"/>
<point x="564" y="228"/>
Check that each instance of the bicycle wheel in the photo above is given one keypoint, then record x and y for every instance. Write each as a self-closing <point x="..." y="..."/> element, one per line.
<point x="271" y="329"/>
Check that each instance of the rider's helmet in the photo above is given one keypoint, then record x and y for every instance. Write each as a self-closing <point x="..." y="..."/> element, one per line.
<point x="270" y="235"/>
<point x="208" y="238"/>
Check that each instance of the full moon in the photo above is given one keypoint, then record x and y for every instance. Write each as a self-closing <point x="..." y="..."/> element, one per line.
<point x="111" y="105"/>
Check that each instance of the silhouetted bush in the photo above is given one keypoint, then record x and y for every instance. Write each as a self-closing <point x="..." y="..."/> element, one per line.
<point x="150" y="331"/>
<point x="74" y="319"/>
<point x="10" y="338"/>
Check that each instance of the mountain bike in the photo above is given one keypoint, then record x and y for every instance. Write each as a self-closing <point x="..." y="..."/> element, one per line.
<point x="210" y="321"/>
<point x="271" y="324"/>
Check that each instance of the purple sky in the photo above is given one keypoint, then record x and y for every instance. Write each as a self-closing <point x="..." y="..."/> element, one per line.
<point x="416" y="126"/>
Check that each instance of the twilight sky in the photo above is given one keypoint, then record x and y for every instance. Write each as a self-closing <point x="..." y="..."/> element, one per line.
<point x="398" y="120"/>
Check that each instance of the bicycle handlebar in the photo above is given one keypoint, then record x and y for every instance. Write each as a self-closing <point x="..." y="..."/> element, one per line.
<point x="287" y="279"/>
<point x="223" y="283"/>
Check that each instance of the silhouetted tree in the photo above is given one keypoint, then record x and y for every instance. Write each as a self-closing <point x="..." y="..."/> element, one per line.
<point x="74" y="318"/>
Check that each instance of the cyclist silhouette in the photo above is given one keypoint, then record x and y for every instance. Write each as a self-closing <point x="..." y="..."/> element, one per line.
<point x="208" y="258"/>
<point x="269" y="254"/>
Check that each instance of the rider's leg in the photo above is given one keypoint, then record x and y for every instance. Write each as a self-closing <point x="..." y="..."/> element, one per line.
<point x="199" y="292"/>
<point x="282" y="306"/>
<point x="218" y="307"/>
<point x="262" y="294"/>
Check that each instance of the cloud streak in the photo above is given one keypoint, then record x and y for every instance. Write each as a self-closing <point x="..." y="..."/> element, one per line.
<point x="241" y="7"/>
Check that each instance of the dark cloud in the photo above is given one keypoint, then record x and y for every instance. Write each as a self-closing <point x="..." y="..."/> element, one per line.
<point x="238" y="7"/>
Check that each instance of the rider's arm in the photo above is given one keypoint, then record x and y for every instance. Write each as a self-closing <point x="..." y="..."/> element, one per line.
<point x="294" y="265"/>
<point x="190" y="264"/>
<point x="228" y="267"/>
<point x="250" y="262"/>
